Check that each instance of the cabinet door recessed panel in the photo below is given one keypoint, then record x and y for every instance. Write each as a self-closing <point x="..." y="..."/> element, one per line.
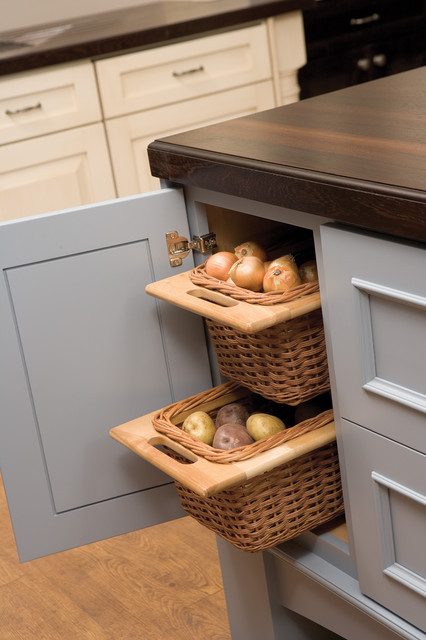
<point x="93" y="345"/>
<point x="376" y="295"/>
<point x="393" y="364"/>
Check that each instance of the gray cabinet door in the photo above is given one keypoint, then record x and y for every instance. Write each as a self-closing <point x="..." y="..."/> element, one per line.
<point x="387" y="493"/>
<point x="83" y="348"/>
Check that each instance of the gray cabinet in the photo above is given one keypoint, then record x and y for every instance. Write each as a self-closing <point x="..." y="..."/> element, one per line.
<point x="84" y="349"/>
<point x="376" y="300"/>
<point x="387" y="494"/>
<point x="376" y="290"/>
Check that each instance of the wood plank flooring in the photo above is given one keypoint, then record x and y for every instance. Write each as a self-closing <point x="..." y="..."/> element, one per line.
<point x="162" y="583"/>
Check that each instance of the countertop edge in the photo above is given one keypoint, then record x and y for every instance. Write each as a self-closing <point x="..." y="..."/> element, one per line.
<point x="393" y="210"/>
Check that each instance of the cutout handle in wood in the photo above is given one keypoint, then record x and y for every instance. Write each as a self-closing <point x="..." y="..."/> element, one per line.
<point x="245" y="317"/>
<point x="200" y="475"/>
<point x="207" y="478"/>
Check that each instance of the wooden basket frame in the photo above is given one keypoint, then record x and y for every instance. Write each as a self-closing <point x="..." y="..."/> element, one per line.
<point x="270" y="492"/>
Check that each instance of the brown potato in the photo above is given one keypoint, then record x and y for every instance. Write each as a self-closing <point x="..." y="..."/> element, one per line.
<point x="230" y="436"/>
<point x="234" y="413"/>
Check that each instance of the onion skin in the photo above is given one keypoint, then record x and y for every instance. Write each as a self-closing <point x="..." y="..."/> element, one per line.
<point x="308" y="271"/>
<point x="248" y="273"/>
<point x="287" y="259"/>
<point x="219" y="264"/>
<point x="281" y="278"/>
<point x="250" y="249"/>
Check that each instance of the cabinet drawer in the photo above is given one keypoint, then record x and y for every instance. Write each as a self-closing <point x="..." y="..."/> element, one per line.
<point x="377" y="293"/>
<point x="40" y="102"/>
<point x="387" y="497"/>
<point x="129" y="136"/>
<point x="182" y="71"/>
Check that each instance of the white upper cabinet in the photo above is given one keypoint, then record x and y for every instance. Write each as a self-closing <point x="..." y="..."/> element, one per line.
<point x="183" y="71"/>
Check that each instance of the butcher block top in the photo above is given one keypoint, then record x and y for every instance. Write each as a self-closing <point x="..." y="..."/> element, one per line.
<point x="357" y="156"/>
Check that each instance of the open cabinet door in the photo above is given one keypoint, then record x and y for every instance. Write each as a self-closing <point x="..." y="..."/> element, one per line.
<point x="83" y="348"/>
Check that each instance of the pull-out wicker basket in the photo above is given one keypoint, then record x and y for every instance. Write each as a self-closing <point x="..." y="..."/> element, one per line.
<point x="256" y="496"/>
<point x="273" y="344"/>
<point x="286" y="362"/>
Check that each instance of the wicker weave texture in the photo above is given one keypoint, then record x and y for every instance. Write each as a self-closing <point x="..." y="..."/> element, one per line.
<point x="286" y="363"/>
<point x="275" y="506"/>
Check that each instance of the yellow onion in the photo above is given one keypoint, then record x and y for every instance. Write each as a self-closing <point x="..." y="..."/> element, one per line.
<point x="287" y="259"/>
<point x="250" y="249"/>
<point x="219" y="264"/>
<point x="248" y="273"/>
<point x="281" y="278"/>
<point x="308" y="271"/>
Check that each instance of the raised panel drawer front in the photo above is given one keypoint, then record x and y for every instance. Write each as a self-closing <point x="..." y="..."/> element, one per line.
<point x="376" y="290"/>
<point x="130" y="136"/>
<point x="182" y="71"/>
<point x="38" y="102"/>
<point x="387" y="498"/>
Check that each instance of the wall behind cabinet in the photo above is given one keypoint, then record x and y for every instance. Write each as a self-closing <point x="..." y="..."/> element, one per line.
<point x="22" y="14"/>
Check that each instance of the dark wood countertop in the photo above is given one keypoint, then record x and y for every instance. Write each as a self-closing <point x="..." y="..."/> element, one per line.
<point x="357" y="156"/>
<point x="135" y="27"/>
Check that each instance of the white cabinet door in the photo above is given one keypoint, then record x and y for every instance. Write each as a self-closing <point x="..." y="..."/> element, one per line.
<point x="84" y="349"/>
<point x="129" y="136"/>
<point x="54" y="172"/>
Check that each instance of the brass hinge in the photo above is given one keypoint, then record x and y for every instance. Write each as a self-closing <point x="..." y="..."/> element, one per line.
<point x="178" y="247"/>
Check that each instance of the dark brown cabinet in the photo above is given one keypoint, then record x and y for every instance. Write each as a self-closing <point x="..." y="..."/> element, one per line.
<point x="353" y="42"/>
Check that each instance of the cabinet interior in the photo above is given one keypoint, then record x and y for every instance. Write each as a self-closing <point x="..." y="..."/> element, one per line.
<point x="231" y="229"/>
<point x="234" y="227"/>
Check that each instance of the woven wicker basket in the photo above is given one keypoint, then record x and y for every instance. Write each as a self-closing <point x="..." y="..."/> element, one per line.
<point x="272" y="507"/>
<point x="286" y="362"/>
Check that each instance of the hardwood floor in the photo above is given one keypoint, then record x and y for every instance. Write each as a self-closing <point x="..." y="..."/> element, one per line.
<point x="161" y="583"/>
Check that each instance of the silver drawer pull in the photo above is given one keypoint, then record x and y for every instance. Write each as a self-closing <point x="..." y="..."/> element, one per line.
<point x="380" y="60"/>
<point x="188" y="72"/>
<point x="31" y="107"/>
<point x="356" y="22"/>
<point x="364" y="64"/>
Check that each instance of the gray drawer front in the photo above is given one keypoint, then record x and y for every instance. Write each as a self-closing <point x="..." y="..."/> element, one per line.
<point x="376" y="291"/>
<point x="387" y="496"/>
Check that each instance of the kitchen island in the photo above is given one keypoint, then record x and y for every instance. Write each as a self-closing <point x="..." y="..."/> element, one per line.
<point x="76" y="326"/>
<point x="351" y="166"/>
